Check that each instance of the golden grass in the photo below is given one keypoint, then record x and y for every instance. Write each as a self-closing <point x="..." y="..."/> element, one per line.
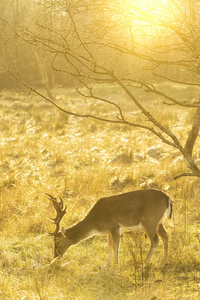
<point x="82" y="160"/>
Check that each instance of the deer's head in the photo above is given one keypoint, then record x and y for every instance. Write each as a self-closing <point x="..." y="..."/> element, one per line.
<point x="61" y="242"/>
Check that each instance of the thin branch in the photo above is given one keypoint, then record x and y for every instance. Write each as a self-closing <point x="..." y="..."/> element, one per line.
<point x="102" y="100"/>
<point x="178" y="81"/>
<point x="186" y="174"/>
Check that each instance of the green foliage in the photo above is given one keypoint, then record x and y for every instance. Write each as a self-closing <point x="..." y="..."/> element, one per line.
<point x="83" y="160"/>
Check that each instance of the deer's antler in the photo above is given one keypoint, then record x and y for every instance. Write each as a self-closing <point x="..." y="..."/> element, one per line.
<point x="60" y="209"/>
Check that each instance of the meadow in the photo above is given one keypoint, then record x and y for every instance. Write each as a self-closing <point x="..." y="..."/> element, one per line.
<point x="43" y="150"/>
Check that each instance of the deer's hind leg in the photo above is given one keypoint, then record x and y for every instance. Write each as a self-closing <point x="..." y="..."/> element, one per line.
<point x="151" y="232"/>
<point x="164" y="236"/>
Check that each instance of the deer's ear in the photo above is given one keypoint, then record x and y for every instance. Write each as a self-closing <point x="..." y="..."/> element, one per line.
<point x="62" y="230"/>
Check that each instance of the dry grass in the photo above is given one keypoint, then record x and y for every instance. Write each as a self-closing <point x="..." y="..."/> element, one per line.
<point x="42" y="151"/>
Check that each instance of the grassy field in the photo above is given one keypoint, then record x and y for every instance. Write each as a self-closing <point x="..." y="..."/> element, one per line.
<point x="44" y="151"/>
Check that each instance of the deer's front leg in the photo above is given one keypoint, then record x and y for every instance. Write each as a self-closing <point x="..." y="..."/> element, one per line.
<point x="115" y="234"/>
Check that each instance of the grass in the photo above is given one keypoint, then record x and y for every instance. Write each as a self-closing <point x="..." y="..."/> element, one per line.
<point x="81" y="160"/>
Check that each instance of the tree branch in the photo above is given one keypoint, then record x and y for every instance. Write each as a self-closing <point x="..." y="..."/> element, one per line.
<point x="186" y="174"/>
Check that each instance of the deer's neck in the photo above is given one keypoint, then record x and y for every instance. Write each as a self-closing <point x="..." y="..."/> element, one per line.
<point x="80" y="231"/>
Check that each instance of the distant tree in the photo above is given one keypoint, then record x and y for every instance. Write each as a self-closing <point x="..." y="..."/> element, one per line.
<point x="130" y="44"/>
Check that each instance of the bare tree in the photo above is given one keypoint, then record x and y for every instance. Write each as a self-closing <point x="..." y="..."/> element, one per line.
<point x="130" y="45"/>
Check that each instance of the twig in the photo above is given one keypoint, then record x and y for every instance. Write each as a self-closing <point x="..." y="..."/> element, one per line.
<point x="187" y="174"/>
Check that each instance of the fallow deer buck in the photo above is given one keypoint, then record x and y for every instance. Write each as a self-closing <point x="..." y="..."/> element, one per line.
<point x="136" y="210"/>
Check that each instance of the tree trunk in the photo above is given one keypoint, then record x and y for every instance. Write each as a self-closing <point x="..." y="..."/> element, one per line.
<point x="189" y="145"/>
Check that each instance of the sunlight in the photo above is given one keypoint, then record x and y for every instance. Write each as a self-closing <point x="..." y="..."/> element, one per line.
<point x="152" y="6"/>
<point x="148" y="16"/>
<point x="149" y="9"/>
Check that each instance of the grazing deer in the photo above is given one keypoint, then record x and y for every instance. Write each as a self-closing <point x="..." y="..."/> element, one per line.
<point x="136" y="210"/>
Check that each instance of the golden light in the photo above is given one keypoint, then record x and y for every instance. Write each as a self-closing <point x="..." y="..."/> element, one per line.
<point x="151" y="6"/>
<point x="148" y="17"/>
<point x="149" y="9"/>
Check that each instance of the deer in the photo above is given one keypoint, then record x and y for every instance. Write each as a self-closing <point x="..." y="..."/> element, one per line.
<point x="136" y="210"/>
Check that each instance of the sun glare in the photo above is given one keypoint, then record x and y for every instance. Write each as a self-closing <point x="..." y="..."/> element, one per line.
<point x="151" y="5"/>
<point x="148" y="15"/>
<point x="149" y="9"/>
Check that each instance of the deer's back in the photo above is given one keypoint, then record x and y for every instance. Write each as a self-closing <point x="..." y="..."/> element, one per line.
<point x="129" y="209"/>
